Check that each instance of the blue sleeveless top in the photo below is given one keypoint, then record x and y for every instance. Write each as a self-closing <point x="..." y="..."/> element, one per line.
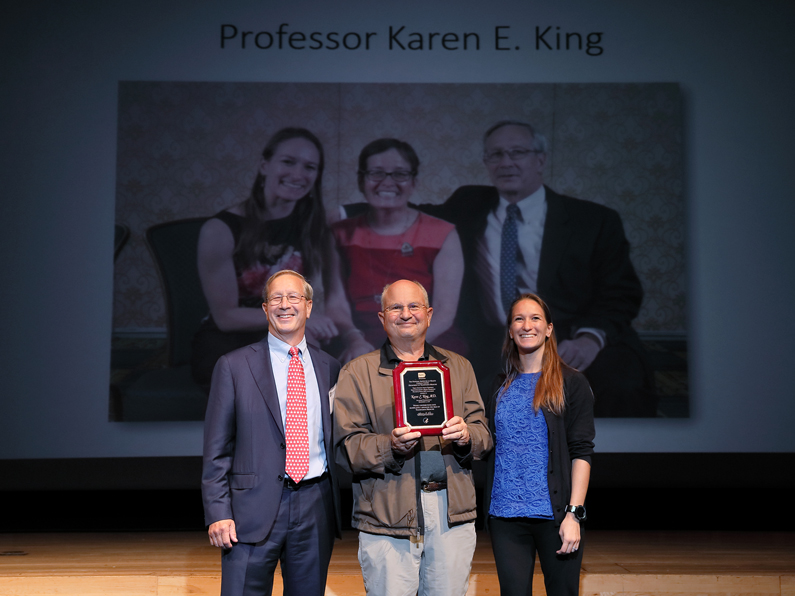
<point x="521" y="457"/>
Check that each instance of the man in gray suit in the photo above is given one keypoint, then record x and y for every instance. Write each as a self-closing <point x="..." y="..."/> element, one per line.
<point x="268" y="484"/>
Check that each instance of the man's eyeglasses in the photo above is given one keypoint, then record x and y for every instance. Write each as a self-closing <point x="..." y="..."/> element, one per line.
<point x="291" y="298"/>
<point x="380" y="175"/>
<point x="397" y="309"/>
<point x="513" y="155"/>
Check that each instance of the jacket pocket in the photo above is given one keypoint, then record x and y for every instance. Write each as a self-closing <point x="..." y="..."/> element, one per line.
<point x="242" y="480"/>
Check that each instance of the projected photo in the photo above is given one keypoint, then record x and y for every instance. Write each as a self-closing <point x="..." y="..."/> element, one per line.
<point x="575" y="195"/>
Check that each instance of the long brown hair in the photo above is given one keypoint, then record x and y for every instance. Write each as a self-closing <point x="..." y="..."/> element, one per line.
<point x="549" y="388"/>
<point x="315" y="239"/>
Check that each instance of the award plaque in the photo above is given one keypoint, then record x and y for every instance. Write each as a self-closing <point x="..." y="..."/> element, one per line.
<point x="423" y="398"/>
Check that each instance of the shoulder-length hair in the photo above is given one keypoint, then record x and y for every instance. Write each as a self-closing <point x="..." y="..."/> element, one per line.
<point x="315" y="238"/>
<point x="549" y="388"/>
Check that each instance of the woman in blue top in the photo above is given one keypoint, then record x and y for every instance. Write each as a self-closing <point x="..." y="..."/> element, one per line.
<point x="542" y="421"/>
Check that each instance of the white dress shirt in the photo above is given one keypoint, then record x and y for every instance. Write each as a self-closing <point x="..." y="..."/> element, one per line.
<point x="280" y="363"/>
<point x="530" y="229"/>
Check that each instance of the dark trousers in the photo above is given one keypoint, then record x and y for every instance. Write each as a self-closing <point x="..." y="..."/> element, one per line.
<point x="515" y="543"/>
<point x="301" y="541"/>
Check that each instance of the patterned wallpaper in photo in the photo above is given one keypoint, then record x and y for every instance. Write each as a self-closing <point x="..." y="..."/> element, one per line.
<point x="193" y="149"/>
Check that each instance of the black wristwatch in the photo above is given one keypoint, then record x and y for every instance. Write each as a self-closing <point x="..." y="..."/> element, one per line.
<point x="578" y="511"/>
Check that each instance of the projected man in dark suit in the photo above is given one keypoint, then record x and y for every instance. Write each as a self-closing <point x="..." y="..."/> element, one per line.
<point x="269" y="489"/>
<point x="520" y="236"/>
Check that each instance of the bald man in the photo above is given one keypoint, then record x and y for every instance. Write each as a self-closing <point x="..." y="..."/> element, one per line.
<point x="414" y="497"/>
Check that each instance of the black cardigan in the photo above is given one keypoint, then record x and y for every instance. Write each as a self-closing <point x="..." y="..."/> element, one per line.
<point x="570" y="437"/>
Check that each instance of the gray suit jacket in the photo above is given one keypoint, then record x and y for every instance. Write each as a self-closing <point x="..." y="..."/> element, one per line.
<point x="244" y="447"/>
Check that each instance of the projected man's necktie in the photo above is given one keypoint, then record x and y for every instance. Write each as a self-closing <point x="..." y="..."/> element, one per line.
<point x="509" y="253"/>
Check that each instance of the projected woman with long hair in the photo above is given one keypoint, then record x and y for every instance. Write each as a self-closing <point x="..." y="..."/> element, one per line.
<point x="281" y="225"/>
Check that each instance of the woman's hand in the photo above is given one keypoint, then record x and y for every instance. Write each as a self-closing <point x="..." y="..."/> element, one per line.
<point x="321" y="328"/>
<point x="569" y="534"/>
<point x="570" y="527"/>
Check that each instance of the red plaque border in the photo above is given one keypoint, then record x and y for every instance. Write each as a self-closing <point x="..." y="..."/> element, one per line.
<point x="447" y="397"/>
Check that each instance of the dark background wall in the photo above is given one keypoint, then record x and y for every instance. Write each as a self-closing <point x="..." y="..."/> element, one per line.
<point x="636" y="491"/>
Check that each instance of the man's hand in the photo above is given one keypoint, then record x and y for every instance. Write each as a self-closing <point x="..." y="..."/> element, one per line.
<point x="456" y="430"/>
<point x="404" y="440"/>
<point x="579" y="352"/>
<point x="222" y="533"/>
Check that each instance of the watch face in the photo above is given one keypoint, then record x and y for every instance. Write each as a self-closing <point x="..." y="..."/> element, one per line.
<point x="578" y="511"/>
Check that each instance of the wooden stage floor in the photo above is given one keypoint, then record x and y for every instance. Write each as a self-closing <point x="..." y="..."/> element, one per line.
<point x="181" y="563"/>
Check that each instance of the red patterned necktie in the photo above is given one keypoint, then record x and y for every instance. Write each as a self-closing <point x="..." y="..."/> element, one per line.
<point x="295" y="432"/>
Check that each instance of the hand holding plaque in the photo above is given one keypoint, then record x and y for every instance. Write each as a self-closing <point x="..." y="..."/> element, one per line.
<point x="404" y="439"/>
<point x="423" y="398"/>
<point x="456" y="430"/>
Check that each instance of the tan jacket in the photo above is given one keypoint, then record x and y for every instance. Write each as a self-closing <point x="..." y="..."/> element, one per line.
<point x="385" y="491"/>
